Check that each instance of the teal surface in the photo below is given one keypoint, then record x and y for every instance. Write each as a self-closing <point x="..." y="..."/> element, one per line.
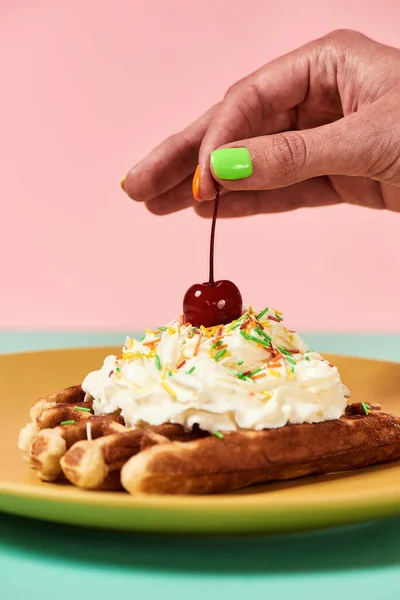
<point x="44" y="561"/>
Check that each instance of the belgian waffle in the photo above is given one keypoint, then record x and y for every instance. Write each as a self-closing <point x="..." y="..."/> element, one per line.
<point x="66" y="440"/>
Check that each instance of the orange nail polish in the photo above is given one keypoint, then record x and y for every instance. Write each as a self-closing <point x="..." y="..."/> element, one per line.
<point x="121" y="183"/>
<point x="196" y="183"/>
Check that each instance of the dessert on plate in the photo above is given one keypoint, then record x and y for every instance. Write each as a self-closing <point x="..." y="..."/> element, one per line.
<point x="196" y="410"/>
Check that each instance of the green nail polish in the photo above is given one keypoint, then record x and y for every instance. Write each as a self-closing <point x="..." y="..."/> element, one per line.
<point x="231" y="163"/>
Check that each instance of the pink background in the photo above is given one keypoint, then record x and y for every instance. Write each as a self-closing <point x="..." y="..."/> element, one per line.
<point x="87" y="88"/>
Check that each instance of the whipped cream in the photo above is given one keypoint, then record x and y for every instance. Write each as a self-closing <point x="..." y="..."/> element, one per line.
<point x="250" y="374"/>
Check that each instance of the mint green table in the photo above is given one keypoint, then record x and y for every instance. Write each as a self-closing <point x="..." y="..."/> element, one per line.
<point x="41" y="561"/>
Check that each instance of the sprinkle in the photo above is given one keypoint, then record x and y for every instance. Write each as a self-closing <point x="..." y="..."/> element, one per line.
<point x="158" y="362"/>
<point x="142" y="338"/>
<point x="271" y="318"/>
<point x="169" y="373"/>
<point x="110" y="373"/>
<point x="217" y="344"/>
<point x="71" y="422"/>
<point x="149" y="331"/>
<point x="197" y="346"/>
<point x="292" y="369"/>
<point x="218" y="434"/>
<point x="258" y="376"/>
<point x="290" y="373"/>
<point x="307" y="358"/>
<point x="263" y="334"/>
<point x="205" y="330"/>
<point x="251" y="373"/>
<point x="366" y="407"/>
<point x="152" y="342"/>
<point x="181" y="364"/>
<point x="129" y="355"/>
<point x="235" y="326"/>
<point x="89" y="431"/>
<point x="118" y="369"/>
<point x="171" y="330"/>
<point x="164" y="370"/>
<point x="82" y="408"/>
<point x="266" y="394"/>
<point x="244" y="325"/>
<point x="274" y="373"/>
<point x="262" y="313"/>
<point x="219" y="331"/>
<point x="272" y="364"/>
<point x="220" y="354"/>
<point x="190" y="371"/>
<point x="290" y="360"/>
<point x="129" y="343"/>
<point x="162" y="328"/>
<point x="293" y="351"/>
<point x="168" y="389"/>
<point x="240" y="362"/>
<point x="254" y="339"/>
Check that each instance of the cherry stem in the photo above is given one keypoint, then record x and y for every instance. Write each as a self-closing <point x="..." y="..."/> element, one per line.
<point x="212" y="237"/>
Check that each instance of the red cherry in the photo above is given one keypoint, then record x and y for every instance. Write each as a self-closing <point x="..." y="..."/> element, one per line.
<point x="215" y="302"/>
<point x="212" y="304"/>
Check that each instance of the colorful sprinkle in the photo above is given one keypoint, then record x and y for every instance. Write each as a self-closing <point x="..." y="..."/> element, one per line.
<point x="366" y="407"/>
<point x="162" y="328"/>
<point x="259" y="376"/>
<point x="181" y="364"/>
<point x="218" y="434"/>
<point x="240" y="362"/>
<point x="290" y="360"/>
<point x="220" y="354"/>
<point x="262" y="313"/>
<point x="217" y="344"/>
<point x="274" y="373"/>
<point x="82" y="409"/>
<point x="271" y="318"/>
<point x="158" y="362"/>
<point x="197" y="346"/>
<point x="263" y="334"/>
<point x="307" y="358"/>
<point x="190" y="371"/>
<point x="168" y="389"/>
<point x="252" y="373"/>
<point x="169" y="373"/>
<point x="266" y="394"/>
<point x="71" y="422"/>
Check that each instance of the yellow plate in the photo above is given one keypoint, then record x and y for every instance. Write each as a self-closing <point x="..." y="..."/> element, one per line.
<point x="308" y="503"/>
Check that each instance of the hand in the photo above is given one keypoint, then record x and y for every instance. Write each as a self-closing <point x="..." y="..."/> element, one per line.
<point x="321" y="126"/>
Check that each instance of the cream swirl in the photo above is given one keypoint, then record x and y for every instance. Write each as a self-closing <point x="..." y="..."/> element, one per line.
<point x="250" y="374"/>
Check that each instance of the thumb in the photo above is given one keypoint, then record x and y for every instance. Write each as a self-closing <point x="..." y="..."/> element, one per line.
<point x="347" y="147"/>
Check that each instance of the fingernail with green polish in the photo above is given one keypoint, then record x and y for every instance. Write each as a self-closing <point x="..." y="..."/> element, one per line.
<point x="231" y="163"/>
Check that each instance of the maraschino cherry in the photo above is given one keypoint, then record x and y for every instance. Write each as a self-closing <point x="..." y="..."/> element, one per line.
<point x="214" y="302"/>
